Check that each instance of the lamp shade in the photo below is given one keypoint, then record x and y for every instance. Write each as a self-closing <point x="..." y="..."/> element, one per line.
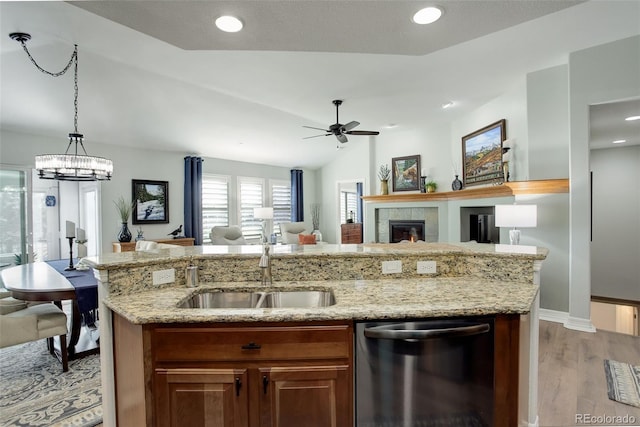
<point x="263" y="213"/>
<point x="516" y="216"/>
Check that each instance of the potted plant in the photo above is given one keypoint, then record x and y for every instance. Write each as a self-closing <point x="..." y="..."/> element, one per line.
<point x="124" y="209"/>
<point x="383" y="173"/>
<point x="431" y="186"/>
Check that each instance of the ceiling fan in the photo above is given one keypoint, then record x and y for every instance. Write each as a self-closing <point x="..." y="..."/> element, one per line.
<point x="339" y="130"/>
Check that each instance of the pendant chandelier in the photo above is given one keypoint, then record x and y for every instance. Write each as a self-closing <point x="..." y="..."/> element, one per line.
<point x="70" y="166"/>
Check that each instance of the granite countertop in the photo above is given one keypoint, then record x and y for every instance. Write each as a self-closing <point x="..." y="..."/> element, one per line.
<point x="355" y="300"/>
<point x="138" y="258"/>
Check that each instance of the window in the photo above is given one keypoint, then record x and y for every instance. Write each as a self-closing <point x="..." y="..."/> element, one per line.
<point x="281" y="202"/>
<point x="14" y="236"/>
<point x="215" y="203"/>
<point x="348" y="203"/>
<point x="251" y="196"/>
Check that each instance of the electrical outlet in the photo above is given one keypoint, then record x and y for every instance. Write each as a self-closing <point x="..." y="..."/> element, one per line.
<point x="426" y="267"/>
<point x="161" y="277"/>
<point x="390" y="267"/>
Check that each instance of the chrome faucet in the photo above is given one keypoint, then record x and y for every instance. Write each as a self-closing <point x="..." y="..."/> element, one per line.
<point x="265" y="265"/>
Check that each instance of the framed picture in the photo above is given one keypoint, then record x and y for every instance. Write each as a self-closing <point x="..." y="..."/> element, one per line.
<point x="482" y="154"/>
<point x="406" y="173"/>
<point x="150" y="201"/>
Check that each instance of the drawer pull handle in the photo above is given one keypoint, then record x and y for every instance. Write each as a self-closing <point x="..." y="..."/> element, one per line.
<point x="265" y="383"/>
<point x="238" y="386"/>
<point x="251" y="346"/>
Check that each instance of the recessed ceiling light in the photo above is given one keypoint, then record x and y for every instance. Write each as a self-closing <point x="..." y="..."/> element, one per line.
<point x="632" y="118"/>
<point x="391" y="126"/>
<point x="428" y="15"/>
<point x="619" y="141"/>
<point x="447" y="105"/>
<point x="229" y="24"/>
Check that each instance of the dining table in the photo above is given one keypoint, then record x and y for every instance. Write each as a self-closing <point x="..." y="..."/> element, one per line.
<point x="51" y="281"/>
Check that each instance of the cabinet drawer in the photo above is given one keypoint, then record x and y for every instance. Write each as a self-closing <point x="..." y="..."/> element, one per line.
<point x="252" y="343"/>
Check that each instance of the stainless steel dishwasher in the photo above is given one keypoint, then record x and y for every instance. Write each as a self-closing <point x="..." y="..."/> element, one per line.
<point x="425" y="373"/>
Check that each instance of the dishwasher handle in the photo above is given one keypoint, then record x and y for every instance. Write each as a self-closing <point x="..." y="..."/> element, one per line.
<point x="389" y="332"/>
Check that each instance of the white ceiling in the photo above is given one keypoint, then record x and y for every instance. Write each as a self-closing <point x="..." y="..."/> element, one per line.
<point x="158" y="75"/>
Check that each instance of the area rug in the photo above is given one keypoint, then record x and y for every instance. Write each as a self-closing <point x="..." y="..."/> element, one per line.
<point x="35" y="392"/>
<point x="623" y="382"/>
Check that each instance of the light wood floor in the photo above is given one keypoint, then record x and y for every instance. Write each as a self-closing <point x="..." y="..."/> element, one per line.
<point x="571" y="374"/>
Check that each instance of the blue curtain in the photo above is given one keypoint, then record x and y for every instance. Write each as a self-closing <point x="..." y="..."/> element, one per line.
<point x="297" y="199"/>
<point x="360" y="207"/>
<point x="193" y="198"/>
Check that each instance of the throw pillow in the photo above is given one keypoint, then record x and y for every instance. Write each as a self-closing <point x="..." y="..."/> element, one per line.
<point x="306" y="239"/>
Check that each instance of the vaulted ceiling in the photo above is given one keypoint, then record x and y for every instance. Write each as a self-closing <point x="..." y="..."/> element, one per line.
<point x="159" y="75"/>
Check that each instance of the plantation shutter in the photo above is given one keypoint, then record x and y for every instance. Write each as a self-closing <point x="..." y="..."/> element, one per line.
<point x="215" y="203"/>
<point x="251" y="197"/>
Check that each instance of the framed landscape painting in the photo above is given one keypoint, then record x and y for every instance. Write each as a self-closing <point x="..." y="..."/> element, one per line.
<point x="482" y="154"/>
<point x="406" y="173"/>
<point x="151" y="201"/>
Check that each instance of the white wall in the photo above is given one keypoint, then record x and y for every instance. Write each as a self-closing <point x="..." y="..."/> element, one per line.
<point x="615" y="249"/>
<point x="512" y="106"/>
<point x="351" y="165"/>
<point x="596" y="75"/>
<point x="431" y="143"/>
<point x="548" y="121"/>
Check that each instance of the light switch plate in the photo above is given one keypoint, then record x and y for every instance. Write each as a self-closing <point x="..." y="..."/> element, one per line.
<point x="390" y="267"/>
<point x="161" y="277"/>
<point x="426" y="267"/>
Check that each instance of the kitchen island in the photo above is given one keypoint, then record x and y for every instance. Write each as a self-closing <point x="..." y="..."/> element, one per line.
<point x="143" y="331"/>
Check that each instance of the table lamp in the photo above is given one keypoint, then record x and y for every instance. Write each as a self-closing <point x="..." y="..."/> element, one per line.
<point x="516" y="216"/>
<point x="264" y="214"/>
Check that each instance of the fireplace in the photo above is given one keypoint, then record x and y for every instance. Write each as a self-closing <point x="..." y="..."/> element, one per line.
<point x="409" y="230"/>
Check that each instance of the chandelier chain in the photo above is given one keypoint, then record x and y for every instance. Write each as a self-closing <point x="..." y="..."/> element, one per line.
<point x="74" y="56"/>
<point x="73" y="60"/>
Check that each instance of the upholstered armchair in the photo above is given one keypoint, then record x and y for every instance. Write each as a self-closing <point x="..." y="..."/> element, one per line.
<point x="231" y="235"/>
<point x="21" y="322"/>
<point x="290" y="231"/>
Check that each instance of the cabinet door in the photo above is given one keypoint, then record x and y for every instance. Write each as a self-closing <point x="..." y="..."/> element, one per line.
<point x="310" y="396"/>
<point x="201" y="397"/>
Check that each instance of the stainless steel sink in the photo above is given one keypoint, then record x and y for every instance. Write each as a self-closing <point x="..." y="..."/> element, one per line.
<point x="223" y="300"/>
<point x="299" y="299"/>
<point x="260" y="299"/>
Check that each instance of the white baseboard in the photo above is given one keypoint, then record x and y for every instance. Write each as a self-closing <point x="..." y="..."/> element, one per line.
<point x="574" y="323"/>
<point x="553" y="315"/>
<point x="579" y="324"/>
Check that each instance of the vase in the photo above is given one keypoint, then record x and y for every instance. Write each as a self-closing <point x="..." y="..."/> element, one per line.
<point x="384" y="187"/>
<point x="431" y="189"/>
<point x="318" y="235"/>
<point x="124" y="235"/>
<point x="456" y="184"/>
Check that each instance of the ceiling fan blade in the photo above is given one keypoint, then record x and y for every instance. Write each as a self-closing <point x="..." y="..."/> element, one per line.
<point x="310" y="127"/>
<point x="350" y="126"/>
<point x="316" y="136"/>
<point x="341" y="137"/>
<point x="363" y="132"/>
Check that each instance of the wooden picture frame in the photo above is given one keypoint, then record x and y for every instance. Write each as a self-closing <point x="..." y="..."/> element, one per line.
<point x="150" y="201"/>
<point x="482" y="154"/>
<point x="405" y="173"/>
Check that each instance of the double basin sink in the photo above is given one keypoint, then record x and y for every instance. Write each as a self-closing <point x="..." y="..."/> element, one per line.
<point x="260" y="299"/>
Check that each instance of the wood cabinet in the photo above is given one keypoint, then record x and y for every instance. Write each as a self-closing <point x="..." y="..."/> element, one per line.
<point x="131" y="246"/>
<point x="267" y="375"/>
<point x="351" y="232"/>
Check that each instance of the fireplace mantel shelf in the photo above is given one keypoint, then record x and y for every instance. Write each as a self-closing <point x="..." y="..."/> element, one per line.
<point x="546" y="186"/>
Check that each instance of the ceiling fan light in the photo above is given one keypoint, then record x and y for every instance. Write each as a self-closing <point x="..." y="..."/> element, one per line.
<point x="428" y="15"/>
<point x="229" y="24"/>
